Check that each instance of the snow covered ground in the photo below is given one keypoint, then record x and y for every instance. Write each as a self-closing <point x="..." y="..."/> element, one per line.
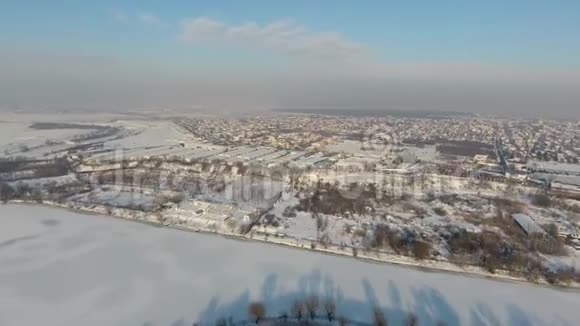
<point x="17" y="138"/>
<point x="150" y="133"/>
<point x="116" y="198"/>
<point x="63" y="268"/>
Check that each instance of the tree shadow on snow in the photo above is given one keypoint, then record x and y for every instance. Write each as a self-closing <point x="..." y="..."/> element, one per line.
<point x="427" y="304"/>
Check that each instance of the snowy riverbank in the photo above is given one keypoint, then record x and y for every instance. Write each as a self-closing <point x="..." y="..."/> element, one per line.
<point x="370" y="256"/>
<point x="70" y="269"/>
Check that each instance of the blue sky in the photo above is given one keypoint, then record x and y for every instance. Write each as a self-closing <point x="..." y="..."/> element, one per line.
<point x="358" y="41"/>
<point x="496" y="31"/>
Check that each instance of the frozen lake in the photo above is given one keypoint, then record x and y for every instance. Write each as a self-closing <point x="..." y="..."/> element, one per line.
<point x="63" y="268"/>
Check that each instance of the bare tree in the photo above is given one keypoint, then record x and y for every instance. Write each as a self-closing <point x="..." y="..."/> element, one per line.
<point x="284" y="317"/>
<point x="411" y="320"/>
<point x="298" y="310"/>
<point x="379" y="317"/>
<point x="330" y="308"/>
<point x="6" y="192"/>
<point x="256" y="311"/>
<point x="541" y="199"/>
<point x="319" y="224"/>
<point x="312" y="306"/>
<point x="421" y="250"/>
<point x="552" y="230"/>
<point x="36" y="195"/>
<point x="221" y="322"/>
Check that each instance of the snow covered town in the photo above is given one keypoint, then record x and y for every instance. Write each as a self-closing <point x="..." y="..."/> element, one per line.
<point x="463" y="193"/>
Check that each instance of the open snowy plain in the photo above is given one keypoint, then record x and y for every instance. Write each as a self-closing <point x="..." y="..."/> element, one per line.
<point x="64" y="268"/>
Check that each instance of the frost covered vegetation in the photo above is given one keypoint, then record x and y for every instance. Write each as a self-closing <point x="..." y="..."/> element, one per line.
<point x="426" y="218"/>
<point x="492" y="240"/>
<point x="108" y="271"/>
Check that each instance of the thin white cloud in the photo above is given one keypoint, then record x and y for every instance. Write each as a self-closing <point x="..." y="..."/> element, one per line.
<point x="149" y="18"/>
<point x="280" y="36"/>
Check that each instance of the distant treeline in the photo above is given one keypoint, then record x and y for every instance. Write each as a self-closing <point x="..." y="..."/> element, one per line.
<point x="13" y="169"/>
<point x="379" y="113"/>
<point x="465" y="148"/>
<point x="59" y="125"/>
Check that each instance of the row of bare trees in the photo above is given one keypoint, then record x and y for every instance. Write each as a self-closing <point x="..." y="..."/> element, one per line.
<point x="19" y="191"/>
<point x="300" y="310"/>
<point x="307" y="311"/>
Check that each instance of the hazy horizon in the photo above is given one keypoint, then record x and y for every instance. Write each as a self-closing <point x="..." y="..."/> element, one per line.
<point x="498" y="58"/>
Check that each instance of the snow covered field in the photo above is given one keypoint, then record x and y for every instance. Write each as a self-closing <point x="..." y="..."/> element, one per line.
<point x="63" y="268"/>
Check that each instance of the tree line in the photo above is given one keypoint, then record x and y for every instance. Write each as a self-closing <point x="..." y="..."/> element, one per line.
<point x="313" y="311"/>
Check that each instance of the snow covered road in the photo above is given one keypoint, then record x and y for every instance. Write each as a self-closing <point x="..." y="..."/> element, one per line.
<point x="63" y="268"/>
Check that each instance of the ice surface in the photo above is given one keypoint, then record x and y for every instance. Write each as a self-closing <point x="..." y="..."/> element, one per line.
<point x="62" y="268"/>
<point x="151" y="133"/>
